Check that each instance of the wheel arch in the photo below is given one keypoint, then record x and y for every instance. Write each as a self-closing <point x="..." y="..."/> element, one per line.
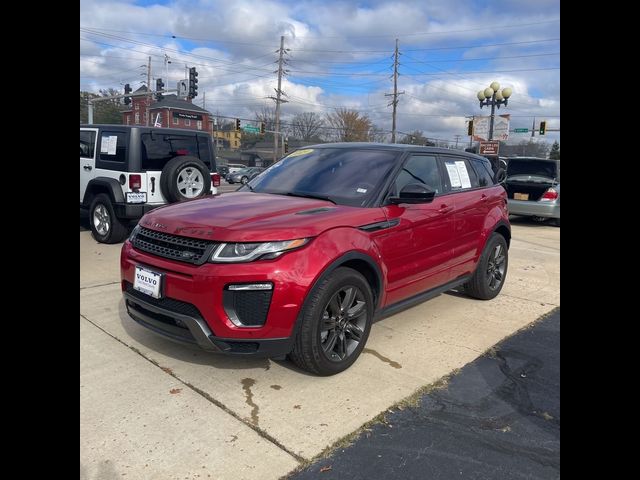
<point x="110" y="186"/>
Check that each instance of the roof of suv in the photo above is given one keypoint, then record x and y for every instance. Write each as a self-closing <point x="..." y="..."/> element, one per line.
<point x="175" y="131"/>
<point x="400" y="147"/>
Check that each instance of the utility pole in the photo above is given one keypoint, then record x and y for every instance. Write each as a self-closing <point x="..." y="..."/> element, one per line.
<point x="204" y="95"/>
<point x="457" y="138"/>
<point x="395" y="93"/>
<point x="533" y="127"/>
<point x="278" y="97"/>
<point x="149" y="91"/>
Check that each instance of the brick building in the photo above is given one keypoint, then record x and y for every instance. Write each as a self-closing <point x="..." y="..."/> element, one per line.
<point x="170" y="112"/>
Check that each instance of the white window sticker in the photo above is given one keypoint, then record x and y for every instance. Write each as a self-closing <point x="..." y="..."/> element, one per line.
<point x="361" y="190"/>
<point x="109" y="145"/>
<point x="464" y="175"/>
<point x="454" y="178"/>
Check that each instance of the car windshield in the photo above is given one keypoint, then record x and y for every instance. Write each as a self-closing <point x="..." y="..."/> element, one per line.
<point x="531" y="167"/>
<point x="244" y="170"/>
<point x="345" y="176"/>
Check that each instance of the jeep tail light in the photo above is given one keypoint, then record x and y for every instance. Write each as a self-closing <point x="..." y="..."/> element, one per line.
<point x="215" y="179"/>
<point x="549" y="195"/>
<point x="135" y="182"/>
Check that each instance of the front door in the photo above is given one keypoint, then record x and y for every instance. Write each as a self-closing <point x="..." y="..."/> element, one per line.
<point x="417" y="249"/>
<point x="88" y="138"/>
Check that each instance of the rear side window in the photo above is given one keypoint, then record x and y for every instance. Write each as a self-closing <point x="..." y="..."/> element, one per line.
<point x="485" y="176"/>
<point x="159" y="148"/>
<point x="113" y="146"/>
<point x="87" y="143"/>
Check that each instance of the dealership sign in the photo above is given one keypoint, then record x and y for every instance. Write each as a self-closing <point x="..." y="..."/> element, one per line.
<point x="489" y="148"/>
<point x="500" y="128"/>
<point x="190" y="116"/>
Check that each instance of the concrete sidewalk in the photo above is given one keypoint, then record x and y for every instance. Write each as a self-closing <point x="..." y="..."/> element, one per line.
<point x="286" y="415"/>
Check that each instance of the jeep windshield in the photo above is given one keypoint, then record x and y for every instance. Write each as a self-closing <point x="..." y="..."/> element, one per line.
<point x="345" y="176"/>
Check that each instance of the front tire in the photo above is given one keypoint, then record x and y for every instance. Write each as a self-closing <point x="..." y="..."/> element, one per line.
<point x="244" y="180"/>
<point x="335" y="323"/>
<point x="491" y="271"/>
<point x="105" y="226"/>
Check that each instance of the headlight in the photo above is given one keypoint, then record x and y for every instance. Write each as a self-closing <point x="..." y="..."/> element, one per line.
<point x="134" y="232"/>
<point x="247" y="252"/>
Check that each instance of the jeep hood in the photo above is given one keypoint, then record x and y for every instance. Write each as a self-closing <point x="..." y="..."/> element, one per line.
<point x="254" y="217"/>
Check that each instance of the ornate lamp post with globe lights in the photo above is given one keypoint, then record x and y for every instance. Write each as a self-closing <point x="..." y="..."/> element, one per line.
<point x="492" y="95"/>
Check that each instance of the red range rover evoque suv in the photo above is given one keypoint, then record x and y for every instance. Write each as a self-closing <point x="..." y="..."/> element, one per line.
<point x="303" y="258"/>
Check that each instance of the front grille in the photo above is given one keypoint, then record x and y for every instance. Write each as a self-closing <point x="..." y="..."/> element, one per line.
<point x="174" y="247"/>
<point x="170" y="304"/>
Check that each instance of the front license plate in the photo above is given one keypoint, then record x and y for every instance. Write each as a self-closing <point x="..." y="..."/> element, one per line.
<point x="136" y="197"/>
<point x="521" y="196"/>
<point x="148" y="282"/>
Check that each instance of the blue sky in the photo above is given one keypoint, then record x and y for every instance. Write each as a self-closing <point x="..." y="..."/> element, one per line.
<point x="339" y="55"/>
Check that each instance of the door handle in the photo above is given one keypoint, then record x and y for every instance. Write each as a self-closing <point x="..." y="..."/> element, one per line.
<point x="483" y="198"/>
<point x="87" y="167"/>
<point x="445" y="209"/>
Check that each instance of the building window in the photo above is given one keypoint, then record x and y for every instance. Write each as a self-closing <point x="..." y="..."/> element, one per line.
<point x="137" y="106"/>
<point x="137" y="118"/>
<point x="199" y="123"/>
<point x="128" y="119"/>
<point x="176" y="121"/>
<point x="187" y="123"/>
<point x="146" y="115"/>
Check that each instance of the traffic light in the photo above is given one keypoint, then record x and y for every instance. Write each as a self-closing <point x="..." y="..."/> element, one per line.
<point x="543" y="127"/>
<point x="286" y="147"/>
<point x="127" y="90"/>
<point x="470" y="131"/>
<point x="159" y="88"/>
<point x="237" y="124"/>
<point x="262" y="128"/>
<point x="193" y="82"/>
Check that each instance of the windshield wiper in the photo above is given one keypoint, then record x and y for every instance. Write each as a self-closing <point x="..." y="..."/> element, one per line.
<point x="308" y="195"/>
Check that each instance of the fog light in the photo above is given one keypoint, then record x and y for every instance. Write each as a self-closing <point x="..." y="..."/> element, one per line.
<point x="251" y="286"/>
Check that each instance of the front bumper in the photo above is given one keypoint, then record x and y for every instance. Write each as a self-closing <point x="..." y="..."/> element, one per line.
<point x="193" y="309"/>
<point x="534" y="209"/>
<point x="192" y="329"/>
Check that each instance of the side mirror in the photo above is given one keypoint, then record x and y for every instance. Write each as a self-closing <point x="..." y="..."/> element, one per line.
<point x="500" y="176"/>
<point x="414" y="193"/>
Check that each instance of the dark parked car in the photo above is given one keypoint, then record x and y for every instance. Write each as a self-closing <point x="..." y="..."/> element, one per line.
<point x="245" y="175"/>
<point x="533" y="187"/>
<point x="301" y="259"/>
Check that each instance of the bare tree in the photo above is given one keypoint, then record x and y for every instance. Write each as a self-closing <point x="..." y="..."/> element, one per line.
<point x="349" y="125"/>
<point x="307" y="126"/>
<point x="416" y="138"/>
<point x="268" y="116"/>
<point x="377" y="134"/>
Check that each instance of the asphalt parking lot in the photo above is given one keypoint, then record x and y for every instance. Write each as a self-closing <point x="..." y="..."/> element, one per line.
<point x="154" y="409"/>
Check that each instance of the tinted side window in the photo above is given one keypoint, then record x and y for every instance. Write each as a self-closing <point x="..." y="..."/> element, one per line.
<point x="460" y="175"/>
<point x="485" y="177"/>
<point x="419" y="169"/>
<point x="87" y="143"/>
<point x="113" y="146"/>
<point x="205" y="152"/>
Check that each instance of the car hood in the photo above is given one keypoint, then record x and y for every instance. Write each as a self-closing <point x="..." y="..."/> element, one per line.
<point x="249" y="217"/>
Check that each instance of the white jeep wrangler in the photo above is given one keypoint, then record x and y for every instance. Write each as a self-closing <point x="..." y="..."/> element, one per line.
<point x="125" y="171"/>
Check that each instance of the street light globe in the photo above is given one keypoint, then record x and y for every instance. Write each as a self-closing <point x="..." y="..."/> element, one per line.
<point x="499" y="95"/>
<point x="488" y="92"/>
<point x="506" y="92"/>
<point x="481" y="95"/>
<point x="495" y="86"/>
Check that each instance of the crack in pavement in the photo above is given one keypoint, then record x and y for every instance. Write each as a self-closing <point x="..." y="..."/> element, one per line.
<point x="300" y="459"/>
<point x="101" y="285"/>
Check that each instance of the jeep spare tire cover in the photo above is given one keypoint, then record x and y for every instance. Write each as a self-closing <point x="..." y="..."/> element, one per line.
<point x="184" y="178"/>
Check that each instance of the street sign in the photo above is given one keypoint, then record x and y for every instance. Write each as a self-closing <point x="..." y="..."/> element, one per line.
<point x="481" y="126"/>
<point x="251" y="129"/>
<point x="521" y="130"/>
<point x="489" y="148"/>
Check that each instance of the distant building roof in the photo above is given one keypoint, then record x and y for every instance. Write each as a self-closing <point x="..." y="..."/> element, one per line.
<point x="172" y="101"/>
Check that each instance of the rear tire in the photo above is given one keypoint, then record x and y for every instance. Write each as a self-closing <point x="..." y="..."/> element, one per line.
<point x="105" y="226"/>
<point x="491" y="271"/>
<point x="334" y="323"/>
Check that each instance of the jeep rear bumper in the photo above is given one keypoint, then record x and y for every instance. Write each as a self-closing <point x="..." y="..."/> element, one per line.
<point x="129" y="210"/>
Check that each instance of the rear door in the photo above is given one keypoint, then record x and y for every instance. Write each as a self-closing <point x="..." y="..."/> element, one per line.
<point x="88" y="138"/>
<point x="418" y="247"/>
<point x="472" y="203"/>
